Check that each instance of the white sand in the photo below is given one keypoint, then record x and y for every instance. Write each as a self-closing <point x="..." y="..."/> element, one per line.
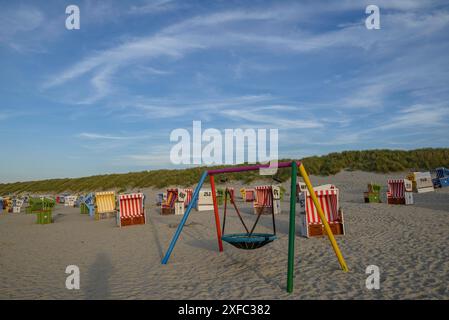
<point x="408" y="243"/>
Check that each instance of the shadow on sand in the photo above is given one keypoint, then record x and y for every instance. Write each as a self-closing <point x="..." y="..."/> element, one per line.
<point x="98" y="278"/>
<point x="155" y="234"/>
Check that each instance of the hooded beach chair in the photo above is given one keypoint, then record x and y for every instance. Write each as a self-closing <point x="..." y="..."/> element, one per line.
<point x="248" y="195"/>
<point x="373" y="193"/>
<point x="131" y="209"/>
<point x="267" y="200"/>
<point x="421" y="181"/>
<point x="188" y="196"/>
<point x="400" y="191"/>
<point x="161" y="198"/>
<point x="17" y="205"/>
<point x="205" y="201"/>
<point x="105" y="205"/>
<point x="168" y="204"/>
<point x="175" y="200"/>
<point x="87" y="205"/>
<point x="184" y="197"/>
<point x="301" y="186"/>
<point x="310" y="224"/>
<point x="70" y="201"/>
<point x="7" y="205"/>
<point x="442" y="177"/>
<point x="220" y="193"/>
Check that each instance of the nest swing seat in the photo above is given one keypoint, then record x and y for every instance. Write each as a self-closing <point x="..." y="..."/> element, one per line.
<point x="247" y="240"/>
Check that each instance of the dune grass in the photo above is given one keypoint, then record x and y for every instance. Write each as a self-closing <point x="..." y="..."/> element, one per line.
<point x="382" y="161"/>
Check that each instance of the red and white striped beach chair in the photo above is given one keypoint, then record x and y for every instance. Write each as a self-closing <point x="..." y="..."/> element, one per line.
<point x="131" y="209"/>
<point x="267" y="198"/>
<point x="400" y="191"/>
<point x="310" y="221"/>
<point x="189" y="193"/>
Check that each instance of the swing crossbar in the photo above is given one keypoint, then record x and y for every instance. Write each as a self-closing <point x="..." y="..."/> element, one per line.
<point x="250" y="168"/>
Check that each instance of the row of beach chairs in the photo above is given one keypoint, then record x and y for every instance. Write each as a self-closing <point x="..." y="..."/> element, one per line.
<point x="400" y="191"/>
<point x="265" y="199"/>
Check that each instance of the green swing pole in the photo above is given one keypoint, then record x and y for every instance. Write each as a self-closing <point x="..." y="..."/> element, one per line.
<point x="291" y="232"/>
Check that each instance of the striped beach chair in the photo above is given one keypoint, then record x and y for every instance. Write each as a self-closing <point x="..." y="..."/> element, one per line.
<point x="400" y="191"/>
<point x="267" y="199"/>
<point x="189" y="194"/>
<point x="105" y="205"/>
<point x="310" y="221"/>
<point x="168" y="204"/>
<point x="131" y="209"/>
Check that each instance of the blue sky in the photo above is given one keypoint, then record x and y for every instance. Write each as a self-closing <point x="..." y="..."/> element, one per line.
<point x="105" y="98"/>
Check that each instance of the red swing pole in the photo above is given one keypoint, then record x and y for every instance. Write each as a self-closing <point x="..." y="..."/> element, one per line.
<point x="217" y="217"/>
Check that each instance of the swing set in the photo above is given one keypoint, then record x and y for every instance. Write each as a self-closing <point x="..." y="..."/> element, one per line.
<point x="250" y="240"/>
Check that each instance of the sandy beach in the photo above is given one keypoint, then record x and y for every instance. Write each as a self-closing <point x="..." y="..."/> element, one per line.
<point x="408" y="244"/>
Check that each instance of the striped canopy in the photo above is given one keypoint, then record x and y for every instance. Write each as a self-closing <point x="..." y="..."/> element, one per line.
<point x="264" y="198"/>
<point x="131" y="205"/>
<point x="172" y="195"/>
<point x="396" y="188"/>
<point x="105" y="201"/>
<point x="329" y="203"/>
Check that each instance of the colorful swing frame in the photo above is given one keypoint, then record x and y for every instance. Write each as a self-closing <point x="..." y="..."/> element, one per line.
<point x="292" y="232"/>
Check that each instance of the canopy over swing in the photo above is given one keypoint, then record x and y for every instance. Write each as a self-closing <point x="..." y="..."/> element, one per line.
<point x="250" y="237"/>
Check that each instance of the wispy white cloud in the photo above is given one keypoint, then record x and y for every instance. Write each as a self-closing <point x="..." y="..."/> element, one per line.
<point x="22" y="19"/>
<point x="97" y="136"/>
<point x="155" y="6"/>
<point x="195" y="34"/>
<point x="418" y="117"/>
<point x="253" y="115"/>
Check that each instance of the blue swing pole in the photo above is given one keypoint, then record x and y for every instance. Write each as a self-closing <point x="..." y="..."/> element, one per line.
<point x="184" y="218"/>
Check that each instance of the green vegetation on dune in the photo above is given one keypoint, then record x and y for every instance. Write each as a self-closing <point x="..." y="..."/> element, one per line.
<point x="381" y="161"/>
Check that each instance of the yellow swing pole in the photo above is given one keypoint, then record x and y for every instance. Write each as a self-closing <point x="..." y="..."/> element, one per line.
<point x="330" y="235"/>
